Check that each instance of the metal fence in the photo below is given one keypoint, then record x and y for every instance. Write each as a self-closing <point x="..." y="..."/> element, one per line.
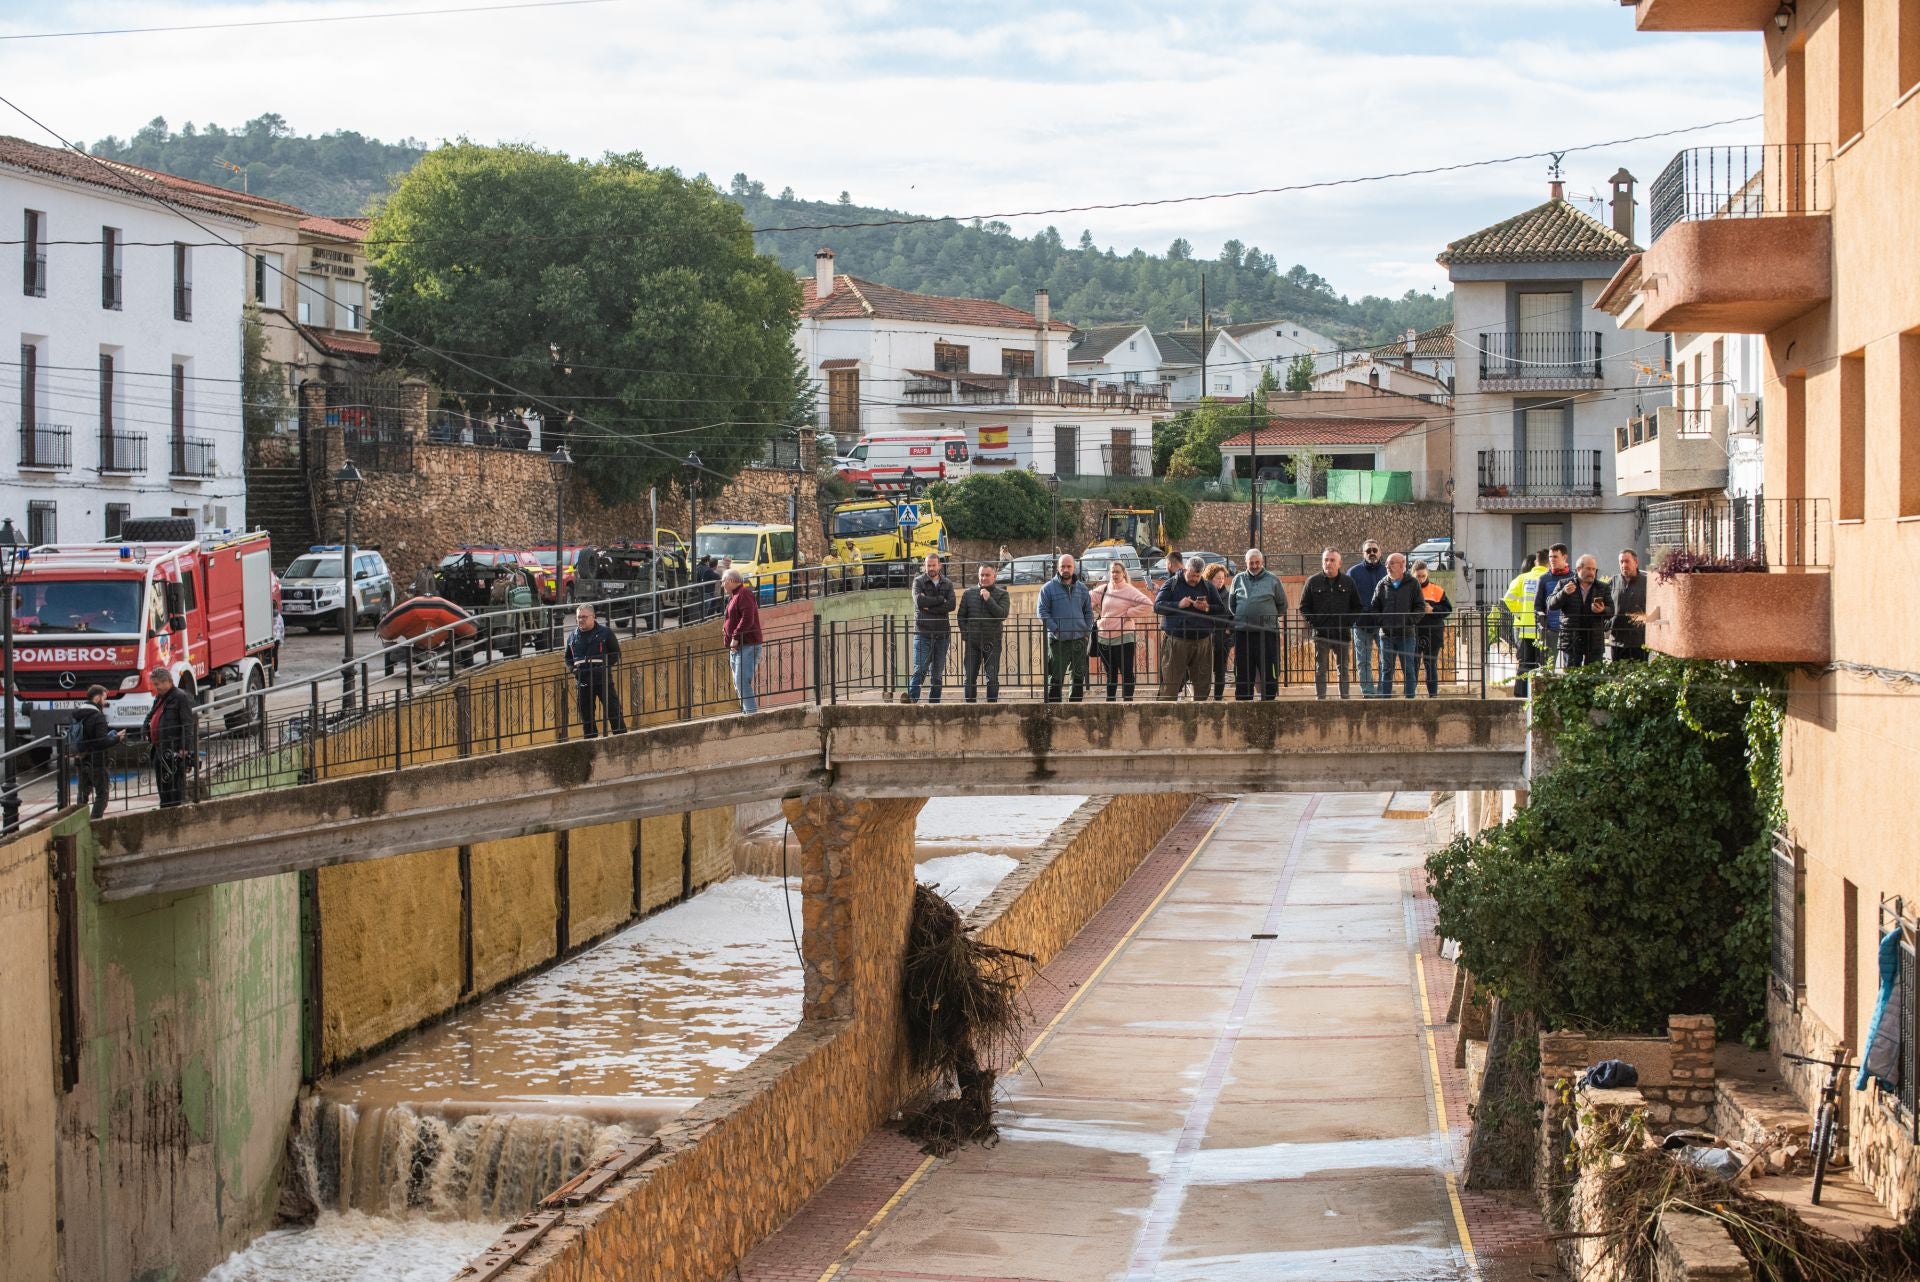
<point x="1747" y="532"/>
<point x="1537" y="354"/>
<point x="1770" y="180"/>
<point x="1540" y="473"/>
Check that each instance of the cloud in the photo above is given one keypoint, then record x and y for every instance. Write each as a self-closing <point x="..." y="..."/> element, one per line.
<point x="970" y="108"/>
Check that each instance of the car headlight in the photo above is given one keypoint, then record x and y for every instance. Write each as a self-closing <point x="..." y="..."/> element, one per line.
<point x="131" y="682"/>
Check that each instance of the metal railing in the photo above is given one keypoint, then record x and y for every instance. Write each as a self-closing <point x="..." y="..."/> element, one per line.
<point x="192" y="456"/>
<point x="123" y="453"/>
<point x="1743" y="533"/>
<point x="379" y="449"/>
<point x="999" y="389"/>
<point x="1760" y="181"/>
<point x="183" y="302"/>
<point x="33" y="275"/>
<point x="43" y="445"/>
<point x="111" y="296"/>
<point x="1539" y="354"/>
<point x="1540" y="474"/>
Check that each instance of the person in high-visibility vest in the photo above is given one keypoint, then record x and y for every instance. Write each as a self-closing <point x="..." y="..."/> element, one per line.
<point x="1519" y="602"/>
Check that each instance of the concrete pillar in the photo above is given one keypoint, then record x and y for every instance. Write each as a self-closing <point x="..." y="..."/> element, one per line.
<point x="856" y="885"/>
<point x="325" y="446"/>
<point x="416" y="403"/>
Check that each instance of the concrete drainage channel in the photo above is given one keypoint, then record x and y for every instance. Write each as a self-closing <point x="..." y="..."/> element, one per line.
<point x="463" y="1143"/>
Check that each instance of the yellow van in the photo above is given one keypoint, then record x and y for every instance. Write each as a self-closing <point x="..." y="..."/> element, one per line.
<point x="765" y="554"/>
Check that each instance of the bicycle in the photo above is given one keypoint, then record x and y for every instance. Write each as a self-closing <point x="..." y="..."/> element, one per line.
<point x="1826" y="1119"/>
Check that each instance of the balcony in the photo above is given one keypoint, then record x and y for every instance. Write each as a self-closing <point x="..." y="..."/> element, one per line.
<point x="1702" y="15"/>
<point x="942" y="388"/>
<point x="1540" y="360"/>
<point x="1741" y="239"/>
<point x="1753" y="584"/>
<point x="1539" y="480"/>
<point x="45" y="447"/>
<point x="192" y="458"/>
<point x="1669" y="450"/>
<point x="122" y="453"/>
<point x="183" y="302"/>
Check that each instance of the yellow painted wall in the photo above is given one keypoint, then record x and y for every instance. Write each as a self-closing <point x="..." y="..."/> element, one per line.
<point x="712" y="846"/>
<point x="391" y="947"/>
<point x="599" y="879"/>
<point x="515" y="908"/>
<point x="28" y="1103"/>
<point x="662" y="848"/>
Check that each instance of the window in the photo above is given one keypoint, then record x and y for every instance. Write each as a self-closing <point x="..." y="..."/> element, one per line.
<point x="33" y="256"/>
<point x="106" y="411"/>
<point x="110" y="296"/>
<point x="950" y="358"/>
<point x="1719" y="371"/>
<point x="178" y="418"/>
<point x="1909" y="461"/>
<point x="1016" y="363"/>
<point x="182" y="281"/>
<point x="349" y="304"/>
<point x="1130" y="344"/>
<point x="1850" y="80"/>
<point x="843" y="401"/>
<point x="1788" y="959"/>
<point x="117" y="515"/>
<point x="29" y="384"/>
<point x="267" y="279"/>
<point x="1909" y="41"/>
<point x="1851" y="503"/>
<point x="1795" y="436"/>
<point x="43" y="525"/>
<point x="783" y="545"/>
<point x="1066" y="450"/>
<point x="313" y="300"/>
<point x="1223" y="385"/>
<point x="1132" y="377"/>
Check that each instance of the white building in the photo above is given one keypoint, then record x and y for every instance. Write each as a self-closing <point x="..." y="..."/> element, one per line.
<point x="1425" y="351"/>
<point x="890" y="360"/>
<point x="1123" y="354"/>
<point x="124" y="393"/>
<point x="1383" y="376"/>
<point x="1538" y="365"/>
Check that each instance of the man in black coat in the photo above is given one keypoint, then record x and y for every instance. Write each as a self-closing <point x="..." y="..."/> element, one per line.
<point x="1397" y="610"/>
<point x="1330" y="604"/>
<point x="592" y="650"/>
<point x="172" y="732"/>
<point x="96" y="741"/>
<point x="933" y="604"/>
<point x="1629" y="611"/>
<point x="982" y="613"/>
<point x="1585" y="606"/>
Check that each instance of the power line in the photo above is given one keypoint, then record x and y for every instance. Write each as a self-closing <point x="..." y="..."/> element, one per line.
<point x="300" y="22"/>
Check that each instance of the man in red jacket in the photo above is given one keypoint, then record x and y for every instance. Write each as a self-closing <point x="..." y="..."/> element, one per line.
<point x="741" y="632"/>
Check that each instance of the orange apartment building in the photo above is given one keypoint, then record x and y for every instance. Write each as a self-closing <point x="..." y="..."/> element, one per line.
<point x="1813" y="241"/>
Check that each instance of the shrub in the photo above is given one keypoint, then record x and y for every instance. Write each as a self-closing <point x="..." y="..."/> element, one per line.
<point x="1001" y="506"/>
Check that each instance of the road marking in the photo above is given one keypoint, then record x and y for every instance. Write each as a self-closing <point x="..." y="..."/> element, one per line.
<point x="860" y="1238"/>
<point x="1440" y="1112"/>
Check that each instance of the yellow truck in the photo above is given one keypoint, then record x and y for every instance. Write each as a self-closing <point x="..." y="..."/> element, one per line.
<point x="889" y="547"/>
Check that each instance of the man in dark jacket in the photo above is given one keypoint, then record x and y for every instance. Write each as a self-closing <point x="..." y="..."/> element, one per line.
<point x="1397" y="607"/>
<point x="932" y="629"/>
<point x="1629" y="592"/>
<point x="1330" y="603"/>
<point x="1547" y="616"/>
<point x="172" y="732"/>
<point x="96" y="741"/>
<point x="1191" y="610"/>
<point x="1366" y="577"/>
<point x="982" y="614"/>
<point x="592" y="650"/>
<point x="705" y="593"/>
<point x="1585" y="606"/>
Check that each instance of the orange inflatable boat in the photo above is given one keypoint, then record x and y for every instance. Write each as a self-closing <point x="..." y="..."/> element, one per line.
<point x="426" y="621"/>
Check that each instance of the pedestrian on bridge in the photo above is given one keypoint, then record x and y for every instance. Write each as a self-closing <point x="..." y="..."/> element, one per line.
<point x="1188" y="607"/>
<point x="1259" y="603"/>
<point x="1629" y="611"/>
<point x="96" y="741"/>
<point x="982" y="613"/>
<point x="741" y="631"/>
<point x="1119" y="606"/>
<point x="171" y="737"/>
<point x="1367" y="576"/>
<point x="1586" y="607"/>
<point x="1220" y="578"/>
<point x="592" y="650"/>
<point x="1397" y="608"/>
<point x="933" y="604"/>
<point x="1066" y="612"/>
<point x="1330" y="604"/>
<point x="1430" y="633"/>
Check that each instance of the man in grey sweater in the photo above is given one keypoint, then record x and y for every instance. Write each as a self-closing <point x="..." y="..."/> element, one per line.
<point x="1259" y="602"/>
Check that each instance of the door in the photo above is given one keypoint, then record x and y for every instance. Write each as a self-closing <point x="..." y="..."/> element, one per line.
<point x="843" y="402"/>
<point x="1544" y="341"/>
<point x="1537" y="536"/>
<point x="1066" y="450"/>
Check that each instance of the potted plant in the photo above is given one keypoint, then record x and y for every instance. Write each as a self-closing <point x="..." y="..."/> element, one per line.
<point x="1708" y="606"/>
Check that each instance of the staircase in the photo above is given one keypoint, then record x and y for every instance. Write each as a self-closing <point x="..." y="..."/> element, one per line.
<point x="279" y="501"/>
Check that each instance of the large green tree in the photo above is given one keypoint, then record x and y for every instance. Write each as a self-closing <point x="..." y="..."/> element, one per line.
<point x="628" y="296"/>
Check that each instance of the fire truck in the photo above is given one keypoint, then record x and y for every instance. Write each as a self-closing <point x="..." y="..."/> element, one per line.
<point x="106" y="613"/>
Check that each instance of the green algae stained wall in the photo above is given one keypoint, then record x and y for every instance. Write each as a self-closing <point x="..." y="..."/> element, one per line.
<point x="172" y="1141"/>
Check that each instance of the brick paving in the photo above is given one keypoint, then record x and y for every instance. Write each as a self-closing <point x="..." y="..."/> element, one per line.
<point x="822" y="1231"/>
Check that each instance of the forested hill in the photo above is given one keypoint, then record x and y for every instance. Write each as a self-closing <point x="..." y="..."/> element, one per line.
<point x="343" y="172"/>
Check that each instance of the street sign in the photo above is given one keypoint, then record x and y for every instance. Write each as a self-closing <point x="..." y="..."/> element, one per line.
<point x="907" y="515"/>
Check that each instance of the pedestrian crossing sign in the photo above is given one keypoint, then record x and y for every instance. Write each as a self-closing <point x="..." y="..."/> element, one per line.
<point x="908" y="515"/>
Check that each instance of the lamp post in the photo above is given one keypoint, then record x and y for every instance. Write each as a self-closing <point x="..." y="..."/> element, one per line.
<point x="559" y="466"/>
<point x="1053" y="509"/>
<point x="348" y="480"/>
<point x="12" y="552"/>
<point x="693" y="466"/>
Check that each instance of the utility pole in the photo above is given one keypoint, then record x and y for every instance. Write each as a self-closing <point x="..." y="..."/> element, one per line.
<point x="1203" y="335"/>
<point x="1253" y="447"/>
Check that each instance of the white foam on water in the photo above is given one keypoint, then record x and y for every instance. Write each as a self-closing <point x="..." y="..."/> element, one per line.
<point x="992" y="821"/>
<point x="355" y="1247"/>
<point x="965" y="880"/>
<point x="1334" y="1264"/>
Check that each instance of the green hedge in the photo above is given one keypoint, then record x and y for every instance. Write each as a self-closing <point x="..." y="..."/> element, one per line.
<point x="1002" y="506"/>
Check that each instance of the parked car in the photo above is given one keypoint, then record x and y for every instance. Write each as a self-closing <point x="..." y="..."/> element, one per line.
<point x="1211" y="558"/>
<point x="1095" y="563"/>
<point x="1437" y="553"/>
<point x="1027" y="569"/>
<point x="311" y="590"/>
<point x="629" y="570"/>
<point x="576" y="564"/>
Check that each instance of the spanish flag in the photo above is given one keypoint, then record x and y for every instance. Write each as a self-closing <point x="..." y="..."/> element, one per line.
<point x="993" y="438"/>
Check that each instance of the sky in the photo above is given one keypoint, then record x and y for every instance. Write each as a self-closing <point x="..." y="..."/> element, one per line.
<point x="965" y="108"/>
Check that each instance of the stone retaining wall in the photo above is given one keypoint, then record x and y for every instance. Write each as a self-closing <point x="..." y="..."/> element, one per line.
<point x="1285" y="527"/>
<point x="1676" y="1071"/>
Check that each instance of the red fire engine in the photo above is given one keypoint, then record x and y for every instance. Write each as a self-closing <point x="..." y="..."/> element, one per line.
<point x="105" y="613"/>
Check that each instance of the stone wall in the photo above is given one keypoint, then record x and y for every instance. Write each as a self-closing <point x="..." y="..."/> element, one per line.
<point x="798" y="1113"/>
<point x="1676" y="1071"/>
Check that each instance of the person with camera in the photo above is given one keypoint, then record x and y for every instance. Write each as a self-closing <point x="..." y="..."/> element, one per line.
<point x="1190" y="610"/>
<point x="1585" y="606"/>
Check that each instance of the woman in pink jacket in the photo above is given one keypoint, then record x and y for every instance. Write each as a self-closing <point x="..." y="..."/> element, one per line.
<point x="1119" y="607"/>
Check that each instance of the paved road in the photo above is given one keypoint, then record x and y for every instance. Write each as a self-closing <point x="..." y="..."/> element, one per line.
<point x="1218" y="1105"/>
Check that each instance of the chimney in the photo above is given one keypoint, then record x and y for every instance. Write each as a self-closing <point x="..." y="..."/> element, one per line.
<point x="1373" y="379"/>
<point x="1406" y="360"/>
<point x="1043" y="313"/>
<point x="1623" y="203"/>
<point x="823" y="272"/>
<point x="1042" y="307"/>
<point x="1556" y="190"/>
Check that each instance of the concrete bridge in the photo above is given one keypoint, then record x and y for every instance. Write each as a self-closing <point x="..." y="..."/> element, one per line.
<point x="852" y="752"/>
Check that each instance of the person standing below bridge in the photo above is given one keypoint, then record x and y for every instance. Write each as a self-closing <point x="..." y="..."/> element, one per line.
<point x="592" y="650"/>
<point x="982" y="614"/>
<point x="96" y="741"/>
<point x="1366" y="577"/>
<point x="1259" y="604"/>
<point x="1188" y="607"/>
<point x="1585" y="607"/>
<point x="741" y="631"/>
<point x="171" y="734"/>
<point x="1118" y="604"/>
<point x="1430" y="633"/>
<point x="932" y="630"/>
<point x="1399" y="607"/>
<point x="1066" y="612"/>
<point x="1629" y="611"/>
<point x="1330" y="603"/>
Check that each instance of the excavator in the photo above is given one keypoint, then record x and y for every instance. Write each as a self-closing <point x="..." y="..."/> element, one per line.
<point x="1142" y="529"/>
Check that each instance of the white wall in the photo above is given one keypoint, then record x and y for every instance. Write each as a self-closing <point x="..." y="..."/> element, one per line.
<point x="1231" y="371"/>
<point x="1031" y="435"/>
<point x="1740" y="391"/>
<point x="1135" y="356"/>
<point x="72" y="328"/>
<point x="1276" y="345"/>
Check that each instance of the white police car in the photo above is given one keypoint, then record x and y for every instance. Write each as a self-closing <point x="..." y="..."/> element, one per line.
<point x="312" y="588"/>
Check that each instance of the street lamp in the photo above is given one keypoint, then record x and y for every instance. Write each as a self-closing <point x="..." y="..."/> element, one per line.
<point x="1053" y="507"/>
<point x="693" y="466"/>
<point x="559" y="466"/>
<point x="12" y="553"/>
<point x="348" y="481"/>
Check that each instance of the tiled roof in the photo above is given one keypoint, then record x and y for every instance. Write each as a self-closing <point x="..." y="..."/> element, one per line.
<point x="1174" y="349"/>
<point x="1290" y="432"/>
<point x="1094" y="343"/>
<point x="125" y="179"/>
<point x="335" y="345"/>
<point x="856" y="299"/>
<point x="339" y="228"/>
<point x="841" y="362"/>
<point x="1432" y="343"/>
<point x="1554" y="232"/>
<point x="223" y="194"/>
